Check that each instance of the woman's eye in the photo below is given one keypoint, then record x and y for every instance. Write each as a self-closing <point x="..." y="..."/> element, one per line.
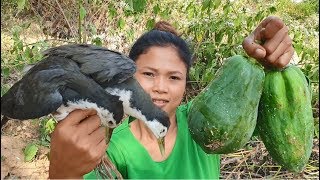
<point x="175" y="78"/>
<point x="148" y="74"/>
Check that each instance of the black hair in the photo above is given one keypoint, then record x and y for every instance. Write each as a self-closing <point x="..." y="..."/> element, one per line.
<point x="162" y="36"/>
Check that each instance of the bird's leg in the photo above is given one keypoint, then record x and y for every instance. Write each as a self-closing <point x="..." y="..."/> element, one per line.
<point x="109" y="164"/>
<point x="106" y="168"/>
<point x="161" y="145"/>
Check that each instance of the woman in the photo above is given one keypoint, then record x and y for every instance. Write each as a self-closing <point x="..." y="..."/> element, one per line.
<point x="163" y="61"/>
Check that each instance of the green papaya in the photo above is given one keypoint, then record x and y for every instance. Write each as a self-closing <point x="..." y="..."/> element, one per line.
<point x="285" y="122"/>
<point x="223" y="116"/>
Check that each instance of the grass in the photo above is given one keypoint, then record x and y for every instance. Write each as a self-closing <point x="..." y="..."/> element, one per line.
<point x="257" y="163"/>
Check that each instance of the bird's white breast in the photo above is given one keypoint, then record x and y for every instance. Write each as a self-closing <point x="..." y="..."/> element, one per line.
<point x="104" y="114"/>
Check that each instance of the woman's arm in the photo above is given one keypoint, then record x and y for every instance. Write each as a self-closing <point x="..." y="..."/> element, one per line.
<point x="77" y="145"/>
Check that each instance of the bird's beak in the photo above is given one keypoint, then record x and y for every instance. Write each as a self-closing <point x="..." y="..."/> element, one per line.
<point x="161" y="145"/>
<point x="108" y="134"/>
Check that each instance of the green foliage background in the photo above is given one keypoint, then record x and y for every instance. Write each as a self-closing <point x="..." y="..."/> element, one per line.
<point x="214" y="29"/>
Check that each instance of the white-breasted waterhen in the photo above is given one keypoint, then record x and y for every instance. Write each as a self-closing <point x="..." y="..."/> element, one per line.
<point x="80" y="76"/>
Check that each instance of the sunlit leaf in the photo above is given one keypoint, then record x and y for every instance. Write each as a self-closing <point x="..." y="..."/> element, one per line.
<point x="156" y="9"/>
<point x="30" y="152"/>
<point x="150" y="24"/>
<point x="121" y="23"/>
<point x="21" y="4"/>
<point x="97" y="41"/>
<point x="83" y="12"/>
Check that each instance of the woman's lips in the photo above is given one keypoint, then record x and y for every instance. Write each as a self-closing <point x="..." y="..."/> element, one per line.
<point x="160" y="102"/>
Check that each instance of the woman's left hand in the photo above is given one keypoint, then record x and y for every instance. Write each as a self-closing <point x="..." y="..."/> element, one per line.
<point x="275" y="48"/>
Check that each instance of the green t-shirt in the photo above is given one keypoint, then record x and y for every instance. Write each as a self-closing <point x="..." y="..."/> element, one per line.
<point x="187" y="159"/>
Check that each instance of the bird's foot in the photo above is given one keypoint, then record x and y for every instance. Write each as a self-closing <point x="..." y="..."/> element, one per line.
<point x="107" y="170"/>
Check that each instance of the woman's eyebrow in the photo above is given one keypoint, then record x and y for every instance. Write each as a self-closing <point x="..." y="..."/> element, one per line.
<point x="175" y="72"/>
<point x="149" y="68"/>
<point x="156" y="70"/>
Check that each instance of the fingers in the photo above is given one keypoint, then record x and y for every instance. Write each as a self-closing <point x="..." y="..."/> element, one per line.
<point x="94" y="145"/>
<point x="270" y="26"/>
<point x="267" y="28"/>
<point x="76" y="116"/>
<point x="90" y="124"/>
<point x="272" y="31"/>
<point x="279" y="42"/>
<point x="280" y="53"/>
<point x="285" y="58"/>
<point x="100" y="151"/>
<point x="100" y="145"/>
<point x="95" y="154"/>
<point x="98" y="135"/>
<point x="252" y="48"/>
<point x="101" y="148"/>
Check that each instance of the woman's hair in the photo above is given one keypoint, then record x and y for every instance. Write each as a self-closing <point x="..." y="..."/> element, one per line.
<point x="162" y="35"/>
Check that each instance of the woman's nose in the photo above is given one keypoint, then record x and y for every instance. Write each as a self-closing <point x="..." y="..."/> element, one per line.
<point x="160" y="85"/>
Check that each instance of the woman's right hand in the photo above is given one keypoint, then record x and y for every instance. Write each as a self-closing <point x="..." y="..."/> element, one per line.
<point x="77" y="145"/>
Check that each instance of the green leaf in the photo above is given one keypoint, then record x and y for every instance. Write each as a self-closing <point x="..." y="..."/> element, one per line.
<point x="139" y="5"/>
<point x="30" y="152"/>
<point x="97" y="41"/>
<point x="130" y="3"/>
<point x="48" y="138"/>
<point x="156" y="9"/>
<point x="150" y="24"/>
<point x="206" y="4"/>
<point x="216" y="4"/>
<point x="21" y="4"/>
<point x="121" y="23"/>
<point x="4" y="89"/>
<point x="28" y="53"/>
<point x="83" y="12"/>
<point x="272" y="9"/>
<point x="112" y="11"/>
<point x="5" y="71"/>
<point x="20" y="46"/>
<point x="165" y="14"/>
<point x="92" y="28"/>
<point x="50" y="125"/>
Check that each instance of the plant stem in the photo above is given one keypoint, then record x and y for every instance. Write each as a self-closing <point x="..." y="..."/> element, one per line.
<point x="79" y="22"/>
<point x="65" y="18"/>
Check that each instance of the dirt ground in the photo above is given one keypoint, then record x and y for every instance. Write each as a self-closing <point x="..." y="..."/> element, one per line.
<point x="14" y="138"/>
<point x="252" y="162"/>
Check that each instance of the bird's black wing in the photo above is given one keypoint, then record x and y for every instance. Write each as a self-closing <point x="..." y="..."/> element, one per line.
<point x="33" y="96"/>
<point x="50" y="83"/>
<point x="106" y="67"/>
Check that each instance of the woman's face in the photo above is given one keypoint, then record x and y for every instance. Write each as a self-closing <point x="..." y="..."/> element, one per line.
<point x="162" y="74"/>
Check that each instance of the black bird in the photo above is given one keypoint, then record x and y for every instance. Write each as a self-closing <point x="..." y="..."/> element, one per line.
<point x="81" y="76"/>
